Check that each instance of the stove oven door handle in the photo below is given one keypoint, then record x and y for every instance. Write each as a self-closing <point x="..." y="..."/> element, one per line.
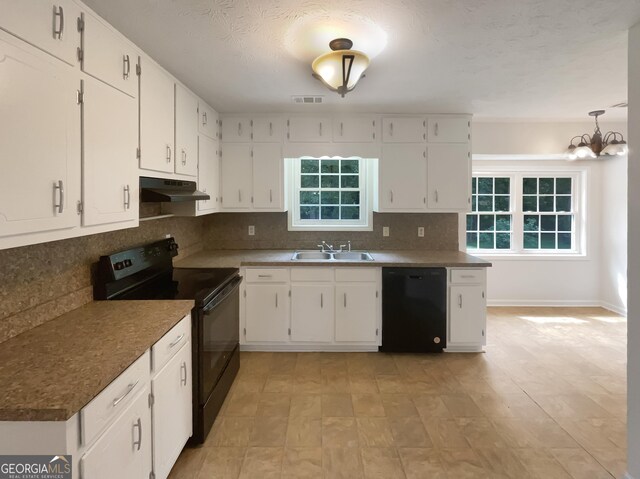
<point x="233" y="286"/>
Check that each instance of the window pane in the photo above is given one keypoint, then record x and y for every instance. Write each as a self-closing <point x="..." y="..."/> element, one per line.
<point x="350" y="212"/>
<point x="563" y="203"/>
<point x="350" y="166"/>
<point x="486" y="240"/>
<point x="330" y="166"/>
<point x="330" y="181"/>
<point x="548" y="240"/>
<point x="472" y="222"/>
<point x="563" y="186"/>
<point x="330" y="212"/>
<point x="309" y="181"/>
<point x="546" y="203"/>
<point x="503" y="186"/>
<point x="502" y="203"/>
<point x="350" y="197"/>
<point x="530" y="186"/>
<point x="529" y="203"/>
<point x="474" y="203"/>
<point x="487" y="222"/>
<point x="503" y="240"/>
<point x="564" y="222"/>
<point x="485" y="185"/>
<point x="503" y="222"/>
<point x="485" y="203"/>
<point x="329" y="198"/>
<point x="309" y="197"/>
<point x="548" y="223"/>
<point x="474" y="182"/>
<point x="531" y="222"/>
<point x="309" y="166"/>
<point x="472" y="240"/>
<point x="350" y="181"/>
<point x="531" y="240"/>
<point x="564" y="240"/>
<point x="546" y="186"/>
<point x="309" y="212"/>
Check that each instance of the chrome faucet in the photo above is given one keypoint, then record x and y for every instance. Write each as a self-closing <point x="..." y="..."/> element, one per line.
<point x="343" y="246"/>
<point x="326" y="248"/>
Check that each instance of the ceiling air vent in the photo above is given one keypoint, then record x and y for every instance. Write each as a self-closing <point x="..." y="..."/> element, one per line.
<point x="307" y="99"/>
<point x="624" y="104"/>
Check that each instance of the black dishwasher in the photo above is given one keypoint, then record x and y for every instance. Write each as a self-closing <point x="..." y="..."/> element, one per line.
<point x="414" y="312"/>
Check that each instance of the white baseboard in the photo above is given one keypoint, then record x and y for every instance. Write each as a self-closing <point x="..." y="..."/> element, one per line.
<point x="614" y="309"/>
<point x="304" y="348"/>
<point x="557" y="304"/>
<point x="628" y="476"/>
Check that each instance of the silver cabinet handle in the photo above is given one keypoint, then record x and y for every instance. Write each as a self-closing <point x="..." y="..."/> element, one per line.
<point x="345" y="300"/>
<point x="138" y="443"/>
<point x="320" y="128"/>
<point x="276" y="300"/>
<point x="391" y="195"/>
<point x="270" y="196"/>
<point x="341" y="129"/>
<point x="183" y="367"/>
<point x="239" y="128"/>
<point x="127" y="197"/>
<point x="130" y="388"/>
<point x="204" y="118"/>
<point x="60" y="188"/>
<point x="126" y="66"/>
<point x="468" y="276"/>
<point x="460" y="301"/>
<point x="58" y="12"/>
<point x="270" y="128"/>
<point x="240" y="196"/>
<point x="184" y="157"/>
<point x="265" y="276"/>
<point x="391" y="129"/>
<point x="436" y="195"/>
<point x="322" y="300"/>
<point x="176" y="341"/>
<point x="436" y="129"/>
<point x="168" y="153"/>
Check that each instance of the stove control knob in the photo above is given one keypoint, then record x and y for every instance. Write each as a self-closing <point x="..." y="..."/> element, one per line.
<point x="118" y="266"/>
<point x="127" y="263"/>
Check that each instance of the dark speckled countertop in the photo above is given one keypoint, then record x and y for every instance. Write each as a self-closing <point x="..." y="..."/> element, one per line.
<point x="266" y="258"/>
<point x="51" y="372"/>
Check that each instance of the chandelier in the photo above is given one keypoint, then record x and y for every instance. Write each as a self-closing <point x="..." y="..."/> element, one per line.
<point x="592" y="146"/>
<point x="341" y="68"/>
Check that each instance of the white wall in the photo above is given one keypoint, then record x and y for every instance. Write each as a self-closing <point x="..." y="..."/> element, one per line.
<point x="633" y="328"/>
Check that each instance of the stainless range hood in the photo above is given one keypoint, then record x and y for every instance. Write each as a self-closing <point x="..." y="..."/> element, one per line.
<point x="154" y="190"/>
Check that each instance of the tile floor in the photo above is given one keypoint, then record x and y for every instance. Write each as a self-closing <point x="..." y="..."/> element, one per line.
<point x="547" y="400"/>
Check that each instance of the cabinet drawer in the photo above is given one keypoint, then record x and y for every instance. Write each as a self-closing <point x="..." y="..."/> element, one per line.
<point x="267" y="275"/>
<point x="357" y="274"/>
<point x="113" y="399"/>
<point x="170" y="344"/>
<point x="462" y="276"/>
<point x="311" y="274"/>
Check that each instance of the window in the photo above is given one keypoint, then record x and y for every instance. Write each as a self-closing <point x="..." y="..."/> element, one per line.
<point x="330" y="194"/>
<point x="524" y="213"/>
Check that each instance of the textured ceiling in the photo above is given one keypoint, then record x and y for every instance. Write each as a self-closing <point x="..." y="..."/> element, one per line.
<point x="492" y="58"/>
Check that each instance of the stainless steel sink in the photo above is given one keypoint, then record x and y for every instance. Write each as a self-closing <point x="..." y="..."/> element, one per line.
<point x="352" y="256"/>
<point x="318" y="255"/>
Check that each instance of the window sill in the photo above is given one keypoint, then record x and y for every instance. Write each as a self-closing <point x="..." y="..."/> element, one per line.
<point x="530" y="256"/>
<point x="331" y="228"/>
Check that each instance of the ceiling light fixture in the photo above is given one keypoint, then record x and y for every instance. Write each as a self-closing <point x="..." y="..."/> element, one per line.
<point x="341" y="68"/>
<point x="591" y="146"/>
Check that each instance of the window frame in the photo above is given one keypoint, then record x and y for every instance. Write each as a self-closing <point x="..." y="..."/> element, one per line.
<point x="578" y="210"/>
<point x="365" y="223"/>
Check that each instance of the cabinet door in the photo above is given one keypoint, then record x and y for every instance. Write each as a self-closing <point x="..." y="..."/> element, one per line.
<point x="49" y="25"/>
<point x="356" y="312"/>
<point x="156" y="118"/>
<point x="267" y="129"/>
<point x="208" y="122"/>
<point x="236" y="176"/>
<point x="312" y="311"/>
<point x="267" y="312"/>
<point x="467" y="314"/>
<point x="39" y="140"/>
<point x="236" y="129"/>
<point x="108" y="57"/>
<point x="109" y="173"/>
<point x="449" y="130"/>
<point x="354" y="129"/>
<point x="208" y="173"/>
<point x="268" y="166"/>
<point x="449" y="177"/>
<point x="186" y="132"/>
<point x="125" y="446"/>
<point x="171" y="412"/>
<point x="403" y="177"/>
<point x="404" y="130"/>
<point x="308" y="129"/>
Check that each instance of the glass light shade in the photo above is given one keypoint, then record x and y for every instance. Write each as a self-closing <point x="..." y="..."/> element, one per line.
<point x="329" y="68"/>
<point x="570" y="154"/>
<point x="616" y="148"/>
<point x="583" y="152"/>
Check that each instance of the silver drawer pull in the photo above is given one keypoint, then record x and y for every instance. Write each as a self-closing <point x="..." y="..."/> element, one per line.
<point x="127" y="197"/>
<point x="126" y="67"/>
<point x="137" y="444"/>
<point x="460" y="300"/>
<point x="168" y="153"/>
<point x="467" y="276"/>
<point x="58" y="12"/>
<point x="60" y="187"/>
<point x="130" y="388"/>
<point x="265" y="276"/>
<point x="176" y="341"/>
<point x="204" y="118"/>
<point x="183" y="367"/>
<point x="184" y="157"/>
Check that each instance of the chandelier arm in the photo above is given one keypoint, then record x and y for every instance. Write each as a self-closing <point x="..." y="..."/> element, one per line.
<point x="587" y="137"/>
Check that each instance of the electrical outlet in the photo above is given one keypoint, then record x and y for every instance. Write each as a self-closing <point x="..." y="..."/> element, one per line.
<point x="421" y="231"/>
<point x="168" y="235"/>
<point x="252" y="230"/>
<point x="385" y="231"/>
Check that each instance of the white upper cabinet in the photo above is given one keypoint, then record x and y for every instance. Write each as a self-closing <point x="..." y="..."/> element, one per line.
<point x="354" y="129"/>
<point x="186" y="132"/>
<point x="208" y="121"/>
<point x="236" y="129"/>
<point x="48" y="25"/>
<point x="404" y="130"/>
<point x="156" y="118"/>
<point x="308" y="129"/>
<point x="449" y="177"/>
<point x="208" y="173"/>
<point x="402" y="178"/>
<point x="39" y="138"/>
<point x="108" y="57"/>
<point x="449" y="130"/>
<point x="236" y="172"/>
<point x="268" y="129"/>
<point x="110" y="179"/>
<point x="268" y="166"/>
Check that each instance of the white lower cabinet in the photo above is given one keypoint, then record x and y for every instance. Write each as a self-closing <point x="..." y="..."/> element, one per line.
<point x="467" y="310"/>
<point x="312" y="312"/>
<point x="356" y="312"/>
<point x="267" y="312"/>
